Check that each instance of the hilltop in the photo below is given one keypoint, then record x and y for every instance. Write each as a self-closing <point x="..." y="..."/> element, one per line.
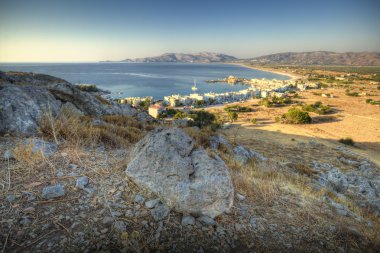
<point x="319" y="58"/>
<point x="204" y="57"/>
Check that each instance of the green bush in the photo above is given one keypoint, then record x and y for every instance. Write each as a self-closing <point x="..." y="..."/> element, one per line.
<point x="347" y="141"/>
<point x="203" y="119"/>
<point x="233" y="116"/>
<point x="296" y="116"/>
<point x="254" y="121"/>
<point x="265" y="102"/>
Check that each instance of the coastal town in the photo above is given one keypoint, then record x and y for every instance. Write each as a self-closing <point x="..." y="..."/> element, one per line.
<point x="256" y="88"/>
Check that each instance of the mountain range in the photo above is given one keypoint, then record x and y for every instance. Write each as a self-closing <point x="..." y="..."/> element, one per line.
<point x="204" y="57"/>
<point x="288" y="58"/>
<point x="319" y="58"/>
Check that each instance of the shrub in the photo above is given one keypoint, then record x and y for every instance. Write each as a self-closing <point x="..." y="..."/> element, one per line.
<point x="265" y="102"/>
<point x="254" y="121"/>
<point x="317" y="107"/>
<point x="88" y="87"/>
<point x="296" y="116"/>
<point x="347" y="141"/>
<point x="202" y="119"/>
<point x="233" y="116"/>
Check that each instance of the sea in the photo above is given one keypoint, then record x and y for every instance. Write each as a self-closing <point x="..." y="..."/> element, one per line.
<point x="146" y="79"/>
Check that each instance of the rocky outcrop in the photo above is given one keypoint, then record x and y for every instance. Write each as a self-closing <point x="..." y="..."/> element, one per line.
<point x="167" y="163"/>
<point x="26" y="96"/>
<point x="241" y="154"/>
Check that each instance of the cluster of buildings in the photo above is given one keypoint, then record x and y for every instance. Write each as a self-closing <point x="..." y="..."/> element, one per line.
<point x="135" y="101"/>
<point x="209" y="98"/>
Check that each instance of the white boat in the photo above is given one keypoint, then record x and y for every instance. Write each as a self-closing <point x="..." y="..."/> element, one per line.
<point x="194" y="88"/>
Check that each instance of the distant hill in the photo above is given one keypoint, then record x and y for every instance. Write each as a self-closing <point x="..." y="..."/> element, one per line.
<point x="319" y="58"/>
<point x="204" y="57"/>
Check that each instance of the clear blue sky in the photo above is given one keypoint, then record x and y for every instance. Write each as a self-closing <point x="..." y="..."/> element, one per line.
<point x="81" y="30"/>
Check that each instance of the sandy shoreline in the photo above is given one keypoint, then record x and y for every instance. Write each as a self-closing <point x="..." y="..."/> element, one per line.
<point x="292" y="76"/>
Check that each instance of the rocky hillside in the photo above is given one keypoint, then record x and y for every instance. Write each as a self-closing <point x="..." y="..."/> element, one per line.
<point x="204" y="57"/>
<point x="319" y="58"/>
<point x="25" y="97"/>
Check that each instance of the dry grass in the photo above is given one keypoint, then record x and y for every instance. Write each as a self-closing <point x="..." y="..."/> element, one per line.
<point x="201" y="136"/>
<point x="115" y="131"/>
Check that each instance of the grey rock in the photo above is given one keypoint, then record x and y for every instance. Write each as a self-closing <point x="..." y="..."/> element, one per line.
<point x="187" y="220"/>
<point x="26" y="220"/>
<point x="81" y="182"/>
<point x="240" y="197"/>
<point x="11" y="198"/>
<point x="152" y="203"/>
<point x="53" y="191"/>
<point x="72" y="174"/>
<point x="120" y="226"/>
<point x="244" y="155"/>
<point x="40" y="146"/>
<point x="187" y="179"/>
<point x="217" y="140"/>
<point x="29" y="196"/>
<point x="59" y="174"/>
<point x="340" y="208"/>
<point x="73" y="166"/>
<point x="107" y="220"/>
<point x="253" y="222"/>
<point x="160" y="212"/>
<point x="139" y="199"/>
<point x="206" y="220"/>
<point x="90" y="190"/>
<point x="8" y="154"/>
<point x="26" y="96"/>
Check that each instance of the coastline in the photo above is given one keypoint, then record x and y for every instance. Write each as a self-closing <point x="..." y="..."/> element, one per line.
<point x="292" y="76"/>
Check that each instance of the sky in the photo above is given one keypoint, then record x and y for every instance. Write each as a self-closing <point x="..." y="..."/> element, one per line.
<point x="93" y="30"/>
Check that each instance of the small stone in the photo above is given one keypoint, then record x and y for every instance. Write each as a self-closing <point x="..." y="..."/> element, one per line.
<point x="72" y="174"/>
<point x="240" y="197"/>
<point x="59" y="174"/>
<point x="139" y="199"/>
<point x="103" y="231"/>
<point x="25" y="220"/>
<point x="63" y="154"/>
<point x="107" y="220"/>
<point x="187" y="220"/>
<point x="8" y="154"/>
<point x="54" y="191"/>
<point x="120" y="226"/>
<point x="206" y="220"/>
<point x="160" y="212"/>
<point x="116" y="214"/>
<point x="128" y="213"/>
<point x="238" y="227"/>
<point x="73" y="166"/>
<point x="152" y="203"/>
<point x="29" y="196"/>
<point x="10" y="198"/>
<point x="90" y="190"/>
<point x="253" y="222"/>
<point x="82" y="182"/>
<point x="29" y="210"/>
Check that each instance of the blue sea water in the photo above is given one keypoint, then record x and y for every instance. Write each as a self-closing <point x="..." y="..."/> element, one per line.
<point x="145" y="79"/>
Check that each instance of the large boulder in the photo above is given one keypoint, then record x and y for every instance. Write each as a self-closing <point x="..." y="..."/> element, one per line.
<point x="26" y="96"/>
<point x="167" y="163"/>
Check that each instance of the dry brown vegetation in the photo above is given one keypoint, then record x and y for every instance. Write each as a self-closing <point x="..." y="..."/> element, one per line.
<point x="112" y="131"/>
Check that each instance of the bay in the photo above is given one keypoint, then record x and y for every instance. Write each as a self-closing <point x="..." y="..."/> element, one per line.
<point x="146" y="79"/>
